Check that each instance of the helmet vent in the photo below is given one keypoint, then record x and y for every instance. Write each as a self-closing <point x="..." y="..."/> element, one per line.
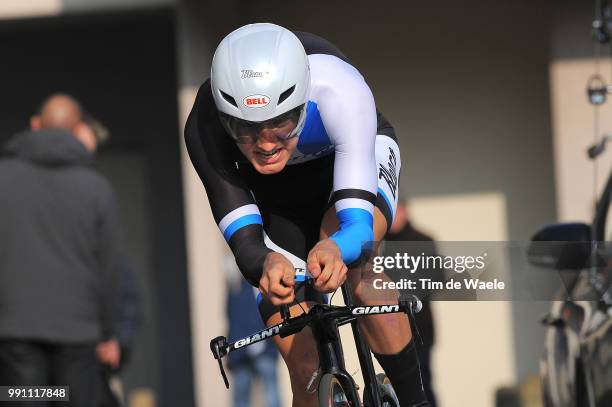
<point x="228" y="98"/>
<point x="285" y="94"/>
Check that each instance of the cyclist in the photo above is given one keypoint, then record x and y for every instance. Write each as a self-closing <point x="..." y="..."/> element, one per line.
<point x="300" y="170"/>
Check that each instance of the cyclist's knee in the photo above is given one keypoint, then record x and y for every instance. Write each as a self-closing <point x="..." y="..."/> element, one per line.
<point x="302" y="367"/>
<point x="301" y="357"/>
<point x="301" y="373"/>
<point x="363" y="282"/>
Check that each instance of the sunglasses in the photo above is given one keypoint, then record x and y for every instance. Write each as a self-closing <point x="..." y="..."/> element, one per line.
<point x="284" y="127"/>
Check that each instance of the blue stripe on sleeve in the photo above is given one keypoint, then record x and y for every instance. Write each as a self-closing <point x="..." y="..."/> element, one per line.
<point x="381" y="192"/>
<point x="246" y="220"/>
<point x="356" y="228"/>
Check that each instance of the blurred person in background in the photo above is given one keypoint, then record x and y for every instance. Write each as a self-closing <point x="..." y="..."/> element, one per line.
<point x="403" y="230"/>
<point x="110" y="389"/>
<point x="59" y="254"/>
<point x="256" y="361"/>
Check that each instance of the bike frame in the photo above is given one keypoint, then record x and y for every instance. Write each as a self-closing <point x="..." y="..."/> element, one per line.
<point x="324" y="321"/>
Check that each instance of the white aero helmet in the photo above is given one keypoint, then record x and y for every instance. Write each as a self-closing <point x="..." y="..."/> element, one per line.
<point x="260" y="76"/>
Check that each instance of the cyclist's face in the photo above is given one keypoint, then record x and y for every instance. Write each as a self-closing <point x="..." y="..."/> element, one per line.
<point x="269" y="150"/>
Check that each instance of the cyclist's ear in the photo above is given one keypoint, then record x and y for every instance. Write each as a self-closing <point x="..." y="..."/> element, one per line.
<point x="35" y="123"/>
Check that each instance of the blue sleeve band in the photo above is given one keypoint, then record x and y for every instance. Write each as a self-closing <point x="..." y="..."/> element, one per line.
<point x="356" y="228"/>
<point x="240" y="223"/>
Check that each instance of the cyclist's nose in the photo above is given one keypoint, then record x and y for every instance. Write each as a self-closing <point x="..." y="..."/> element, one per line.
<point x="267" y="136"/>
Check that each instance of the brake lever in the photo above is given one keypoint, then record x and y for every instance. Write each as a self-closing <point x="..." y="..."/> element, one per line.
<point x="412" y="304"/>
<point x="218" y="346"/>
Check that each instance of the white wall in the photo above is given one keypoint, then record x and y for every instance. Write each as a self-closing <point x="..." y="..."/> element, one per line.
<point x="474" y="340"/>
<point x="197" y="23"/>
<point x="10" y="9"/>
<point x="573" y="117"/>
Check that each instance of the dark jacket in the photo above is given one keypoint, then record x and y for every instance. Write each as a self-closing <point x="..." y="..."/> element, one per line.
<point x="129" y="311"/>
<point x="59" y="238"/>
<point x="424" y="319"/>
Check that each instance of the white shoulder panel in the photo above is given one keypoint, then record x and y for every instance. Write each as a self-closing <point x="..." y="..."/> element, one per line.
<point x="348" y="112"/>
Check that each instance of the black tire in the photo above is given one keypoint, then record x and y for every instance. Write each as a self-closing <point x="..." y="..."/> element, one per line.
<point x="387" y="394"/>
<point x="332" y="393"/>
<point x="582" y="385"/>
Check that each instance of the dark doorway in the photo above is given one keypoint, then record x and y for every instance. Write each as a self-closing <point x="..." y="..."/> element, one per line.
<point x="122" y="67"/>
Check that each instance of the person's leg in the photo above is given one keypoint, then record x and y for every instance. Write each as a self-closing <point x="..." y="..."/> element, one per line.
<point x="76" y="366"/>
<point x="299" y="351"/>
<point x="24" y="363"/>
<point x="242" y="378"/>
<point x="389" y="336"/>
<point x="265" y="366"/>
<point x="300" y="354"/>
<point x="104" y="396"/>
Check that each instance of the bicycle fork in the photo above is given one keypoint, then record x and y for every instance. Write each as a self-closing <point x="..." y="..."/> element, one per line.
<point x="365" y="357"/>
<point x="331" y="357"/>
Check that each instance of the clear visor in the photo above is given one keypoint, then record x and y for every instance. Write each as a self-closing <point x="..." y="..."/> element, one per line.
<point x="284" y="126"/>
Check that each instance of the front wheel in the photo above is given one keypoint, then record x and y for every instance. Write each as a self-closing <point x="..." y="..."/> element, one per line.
<point x="332" y="393"/>
<point x="387" y="394"/>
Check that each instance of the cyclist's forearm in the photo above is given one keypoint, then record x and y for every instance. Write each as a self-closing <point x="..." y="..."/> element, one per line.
<point x="356" y="228"/>
<point x="250" y="252"/>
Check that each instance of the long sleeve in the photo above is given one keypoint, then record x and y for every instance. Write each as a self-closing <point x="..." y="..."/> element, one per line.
<point x="213" y="154"/>
<point x="110" y="240"/>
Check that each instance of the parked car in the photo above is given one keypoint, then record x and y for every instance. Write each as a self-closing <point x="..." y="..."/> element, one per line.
<point x="576" y="367"/>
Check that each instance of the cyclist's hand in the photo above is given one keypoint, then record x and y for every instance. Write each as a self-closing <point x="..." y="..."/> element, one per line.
<point x="278" y="279"/>
<point x="326" y="266"/>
